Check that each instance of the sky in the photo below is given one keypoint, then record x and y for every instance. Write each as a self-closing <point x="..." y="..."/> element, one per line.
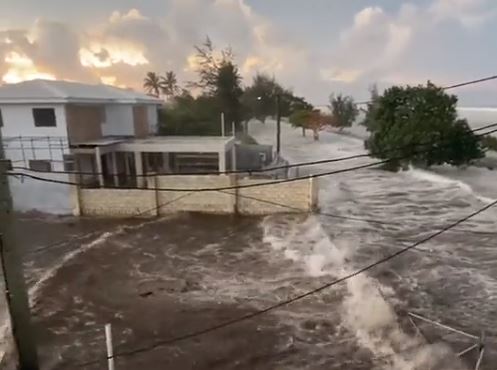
<point x="314" y="47"/>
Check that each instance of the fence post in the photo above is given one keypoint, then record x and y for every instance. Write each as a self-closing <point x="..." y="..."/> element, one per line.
<point x="110" y="349"/>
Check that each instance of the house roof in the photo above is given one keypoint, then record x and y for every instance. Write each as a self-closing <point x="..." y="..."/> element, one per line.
<point x="172" y="144"/>
<point x="45" y="91"/>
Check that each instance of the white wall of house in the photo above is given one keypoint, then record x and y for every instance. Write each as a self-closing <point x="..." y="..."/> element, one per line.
<point x="29" y="194"/>
<point x="118" y="120"/>
<point x="18" y="120"/>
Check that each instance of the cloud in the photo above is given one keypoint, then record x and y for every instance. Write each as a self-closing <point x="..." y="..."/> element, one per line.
<point x="469" y="13"/>
<point x="374" y="42"/>
<point x="377" y="45"/>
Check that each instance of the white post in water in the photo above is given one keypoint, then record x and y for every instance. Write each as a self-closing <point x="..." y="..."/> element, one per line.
<point x="222" y="124"/>
<point x="233" y="128"/>
<point x="110" y="350"/>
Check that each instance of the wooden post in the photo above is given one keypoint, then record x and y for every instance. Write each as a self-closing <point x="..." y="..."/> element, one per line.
<point x="222" y="125"/>
<point x="110" y="349"/>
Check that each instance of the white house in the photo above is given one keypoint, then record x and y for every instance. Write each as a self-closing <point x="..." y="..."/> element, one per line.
<point x="41" y="120"/>
<point x="103" y="133"/>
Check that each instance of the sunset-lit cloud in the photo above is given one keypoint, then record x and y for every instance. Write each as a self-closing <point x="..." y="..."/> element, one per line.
<point x="21" y="68"/>
<point x="328" y="47"/>
<point x="104" y="56"/>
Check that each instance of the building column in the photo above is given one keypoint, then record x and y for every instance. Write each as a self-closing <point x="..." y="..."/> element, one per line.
<point x="139" y="170"/>
<point x="165" y="160"/>
<point x="99" y="167"/>
<point x="222" y="161"/>
<point x="114" y="169"/>
<point x="233" y="158"/>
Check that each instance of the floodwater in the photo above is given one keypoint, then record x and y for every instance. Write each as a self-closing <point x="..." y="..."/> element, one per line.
<point x="160" y="279"/>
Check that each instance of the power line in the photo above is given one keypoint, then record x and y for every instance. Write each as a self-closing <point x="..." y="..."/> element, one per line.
<point x="270" y="169"/>
<point x="348" y="218"/>
<point x="267" y="183"/>
<point x="449" y="87"/>
<point x="470" y="82"/>
<point x="265" y="201"/>
<point x="275" y="182"/>
<point x="296" y="298"/>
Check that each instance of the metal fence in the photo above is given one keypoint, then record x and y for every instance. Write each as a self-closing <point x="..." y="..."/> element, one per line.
<point x="22" y="149"/>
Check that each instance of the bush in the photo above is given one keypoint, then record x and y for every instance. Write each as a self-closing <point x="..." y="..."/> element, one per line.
<point x="419" y="125"/>
<point x="490" y="143"/>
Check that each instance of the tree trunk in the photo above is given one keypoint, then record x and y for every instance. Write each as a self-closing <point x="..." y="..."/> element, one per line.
<point x="303" y="131"/>
<point x="316" y="135"/>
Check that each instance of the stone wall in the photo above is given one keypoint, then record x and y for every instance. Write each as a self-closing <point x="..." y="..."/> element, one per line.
<point x="290" y="197"/>
<point x="117" y="203"/>
<point x="293" y="196"/>
<point x="208" y="202"/>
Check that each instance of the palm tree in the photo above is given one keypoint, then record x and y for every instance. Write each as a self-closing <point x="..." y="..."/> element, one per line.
<point x="169" y="84"/>
<point x="153" y="84"/>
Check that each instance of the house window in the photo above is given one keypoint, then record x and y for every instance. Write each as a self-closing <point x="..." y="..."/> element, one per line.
<point x="44" y="117"/>
<point x="40" y="165"/>
<point x="69" y="163"/>
<point x="1" y="119"/>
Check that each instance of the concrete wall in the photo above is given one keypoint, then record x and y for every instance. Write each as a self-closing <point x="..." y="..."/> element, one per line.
<point x="249" y="156"/>
<point x="84" y="122"/>
<point x="262" y="200"/>
<point x="27" y="194"/>
<point x="117" y="203"/>
<point x="118" y="120"/>
<point x="298" y="196"/>
<point x="34" y="195"/>
<point x="208" y="202"/>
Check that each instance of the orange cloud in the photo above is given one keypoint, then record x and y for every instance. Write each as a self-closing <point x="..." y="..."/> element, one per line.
<point x="22" y="68"/>
<point x="106" y="55"/>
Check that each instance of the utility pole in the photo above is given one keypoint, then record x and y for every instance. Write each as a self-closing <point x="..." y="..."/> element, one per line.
<point x="15" y="286"/>
<point x="278" y="124"/>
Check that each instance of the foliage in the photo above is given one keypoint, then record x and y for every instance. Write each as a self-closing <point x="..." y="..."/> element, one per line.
<point x="343" y="110"/>
<point x="228" y="92"/>
<point x="419" y="125"/>
<point x="169" y="85"/>
<point x="209" y="65"/>
<point x="490" y="142"/>
<point x="317" y="121"/>
<point x="153" y="84"/>
<point x="259" y="99"/>
<point x="190" y="116"/>
<point x="299" y="118"/>
<point x="370" y="111"/>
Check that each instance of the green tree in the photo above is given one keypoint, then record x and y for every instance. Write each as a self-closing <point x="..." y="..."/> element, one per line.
<point x="190" y="116"/>
<point x="371" y="106"/>
<point x="405" y="118"/>
<point x="343" y="110"/>
<point x="259" y="99"/>
<point x="153" y="84"/>
<point x="169" y="85"/>
<point x="228" y="92"/>
<point x="209" y="62"/>
<point x="299" y="118"/>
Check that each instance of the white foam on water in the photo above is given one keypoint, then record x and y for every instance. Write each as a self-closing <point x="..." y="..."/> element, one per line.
<point x="364" y="311"/>
<point x="446" y="181"/>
